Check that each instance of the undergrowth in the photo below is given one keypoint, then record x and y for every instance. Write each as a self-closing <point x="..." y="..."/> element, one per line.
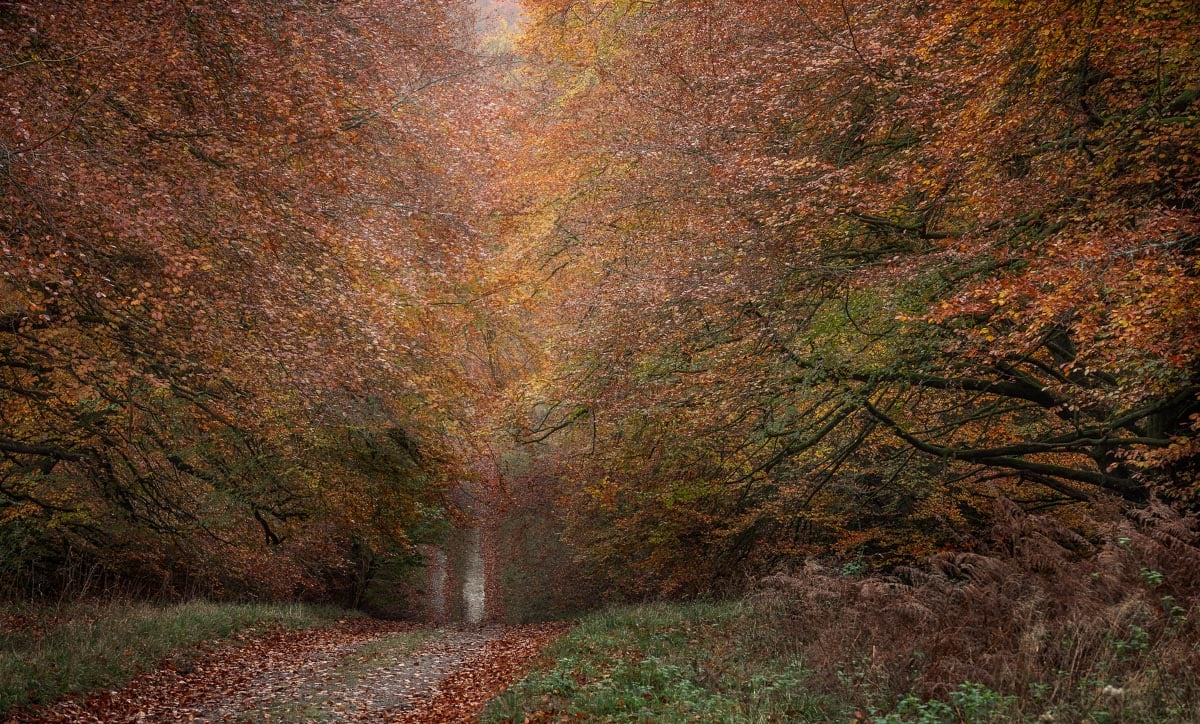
<point x="1038" y="625"/>
<point x="664" y="663"/>
<point x="48" y="652"/>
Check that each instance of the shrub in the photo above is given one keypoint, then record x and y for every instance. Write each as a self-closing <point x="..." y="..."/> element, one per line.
<point x="1061" y="624"/>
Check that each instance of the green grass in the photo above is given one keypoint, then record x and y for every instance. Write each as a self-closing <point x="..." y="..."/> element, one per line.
<point x="667" y="663"/>
<point x="84" y="647"/>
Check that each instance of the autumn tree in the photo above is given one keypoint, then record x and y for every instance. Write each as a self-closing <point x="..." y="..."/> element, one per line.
<point x="835" y="274"/>
<point x="223" y="227"/>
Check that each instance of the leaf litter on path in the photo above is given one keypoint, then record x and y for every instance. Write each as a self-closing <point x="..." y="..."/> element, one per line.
<point x="360" y="670"/>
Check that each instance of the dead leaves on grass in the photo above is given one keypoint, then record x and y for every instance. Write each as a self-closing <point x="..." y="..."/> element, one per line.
<point x="229" y="675"/>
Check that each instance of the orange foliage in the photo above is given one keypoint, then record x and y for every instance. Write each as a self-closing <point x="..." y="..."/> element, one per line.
<point x="223" y="225"/>
<point x="829" y="276"/>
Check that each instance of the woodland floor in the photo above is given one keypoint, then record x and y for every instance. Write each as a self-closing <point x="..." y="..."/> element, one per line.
<point x="357" y="670"/>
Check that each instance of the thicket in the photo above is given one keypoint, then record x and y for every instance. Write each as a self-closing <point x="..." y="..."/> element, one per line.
<point x="1058" y="624"/>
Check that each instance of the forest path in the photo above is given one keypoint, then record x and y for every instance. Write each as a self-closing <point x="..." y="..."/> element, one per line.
<point x="360" y="670"/>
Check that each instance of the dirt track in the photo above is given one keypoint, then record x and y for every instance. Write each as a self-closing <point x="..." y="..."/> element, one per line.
<point x="358" y="670"/>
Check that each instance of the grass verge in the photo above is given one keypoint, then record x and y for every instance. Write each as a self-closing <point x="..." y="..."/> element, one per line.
<point x="738" y="662"/>
<point x="1039" y="624"/>
<point x="48" y="653"/>
<point x="666" y="663"/>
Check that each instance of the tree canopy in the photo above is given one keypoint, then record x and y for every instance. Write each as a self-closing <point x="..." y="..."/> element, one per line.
<point x="835" y="274"/>
<point x="715" y="284"/>
<point x="224" y="229"/>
